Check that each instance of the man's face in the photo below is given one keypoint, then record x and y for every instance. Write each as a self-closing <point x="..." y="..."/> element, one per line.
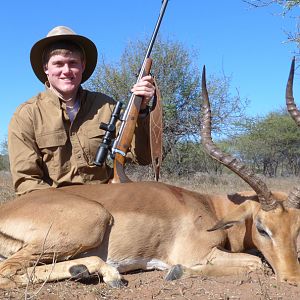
<point x="64" y="73"/>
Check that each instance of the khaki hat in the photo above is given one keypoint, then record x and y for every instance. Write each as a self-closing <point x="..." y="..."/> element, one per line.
<point x="63" y="33"/>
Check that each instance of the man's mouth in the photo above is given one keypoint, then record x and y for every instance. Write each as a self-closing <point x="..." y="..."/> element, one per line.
<point x="66" y="79"/>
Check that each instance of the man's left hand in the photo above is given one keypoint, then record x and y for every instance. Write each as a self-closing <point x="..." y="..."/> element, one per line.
<point x="145" y="88"/>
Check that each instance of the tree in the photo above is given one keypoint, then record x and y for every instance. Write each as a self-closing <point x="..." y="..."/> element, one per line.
<point x="179" y="81"/>
<point x="271" y="145"/>
<point x="288" y="7"/>
<point x="4" y="162"/>
<point x="190" y="158"/>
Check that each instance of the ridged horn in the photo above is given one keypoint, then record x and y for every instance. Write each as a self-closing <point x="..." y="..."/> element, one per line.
<point x="294" y="196"/>
<point x="290" y="102"/>
<point x="264" y="195"/>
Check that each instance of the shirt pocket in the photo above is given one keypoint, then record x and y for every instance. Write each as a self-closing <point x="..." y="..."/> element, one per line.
<point x="95" y="137"/>
<point x="54" y="151"/>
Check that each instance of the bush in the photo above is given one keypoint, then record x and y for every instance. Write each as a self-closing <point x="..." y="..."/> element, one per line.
<point x="4" y="162"/>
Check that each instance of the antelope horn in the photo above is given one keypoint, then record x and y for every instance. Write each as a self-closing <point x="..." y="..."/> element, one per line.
<point x="294" y="196"/>
<point x="290" y="102"/>
<point x="264" y="195"/>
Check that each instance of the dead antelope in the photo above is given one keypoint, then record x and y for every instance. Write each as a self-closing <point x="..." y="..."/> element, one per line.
<point x="111" y="229"/>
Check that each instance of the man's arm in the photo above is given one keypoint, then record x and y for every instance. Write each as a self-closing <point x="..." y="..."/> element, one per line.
<point x="24" y="155"/>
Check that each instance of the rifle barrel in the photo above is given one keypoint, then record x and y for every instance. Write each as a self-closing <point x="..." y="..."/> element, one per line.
<point x="153" y="37"/>
<point x="130" y="116"/>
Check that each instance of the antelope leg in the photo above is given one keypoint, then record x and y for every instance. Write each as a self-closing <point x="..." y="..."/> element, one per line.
<point x="77" y="268"/>
<point x="218" y="263"/>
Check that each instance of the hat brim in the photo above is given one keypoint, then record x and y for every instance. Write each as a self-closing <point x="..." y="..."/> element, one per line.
<point x="36" y="54"/>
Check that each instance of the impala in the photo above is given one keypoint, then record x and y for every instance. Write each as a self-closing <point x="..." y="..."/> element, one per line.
<point x="109" y="229"/>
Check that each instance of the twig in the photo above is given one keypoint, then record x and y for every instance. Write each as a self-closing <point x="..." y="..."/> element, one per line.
<point x="31" y="275"/>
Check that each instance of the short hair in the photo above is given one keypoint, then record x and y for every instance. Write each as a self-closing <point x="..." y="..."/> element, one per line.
<point x="63" y="48"/>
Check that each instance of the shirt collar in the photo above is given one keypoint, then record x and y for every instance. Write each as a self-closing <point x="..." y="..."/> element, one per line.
<point x="55" y="99"/>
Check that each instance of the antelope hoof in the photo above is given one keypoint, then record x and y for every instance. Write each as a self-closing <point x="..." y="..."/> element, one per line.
<point x="112" y="277"/>
<point x="117" y="284"/>
<point x="174" y="273"/>
<point x="79" y="272"/>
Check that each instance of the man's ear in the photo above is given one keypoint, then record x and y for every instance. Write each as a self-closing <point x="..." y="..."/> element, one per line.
<point x="45" y="67"/>
<point x="238" y="215"/>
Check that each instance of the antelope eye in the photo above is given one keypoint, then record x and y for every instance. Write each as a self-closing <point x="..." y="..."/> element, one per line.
<point x="261" y="231"/>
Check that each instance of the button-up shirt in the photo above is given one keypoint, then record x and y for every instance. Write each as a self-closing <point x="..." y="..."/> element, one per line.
<point x="47" y="150"/>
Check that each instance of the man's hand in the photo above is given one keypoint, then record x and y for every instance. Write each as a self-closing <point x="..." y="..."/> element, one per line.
<point x="144" y="88"/>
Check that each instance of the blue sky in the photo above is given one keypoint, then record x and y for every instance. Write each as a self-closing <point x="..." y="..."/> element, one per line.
<point x="247" y="44"/>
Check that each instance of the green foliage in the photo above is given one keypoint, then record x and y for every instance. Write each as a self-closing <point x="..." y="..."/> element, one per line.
<point x="289" y="9"/>
<point x="189" y="158"/>
<point x="287" y="5"/>
<point x="271" y="145"/>
<point x="4" y="161"/>
<point x="4" y="147"/>
<point x="179" y="81"/>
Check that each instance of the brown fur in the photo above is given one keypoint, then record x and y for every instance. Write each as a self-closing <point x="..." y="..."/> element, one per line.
<point x="129" y="225"/>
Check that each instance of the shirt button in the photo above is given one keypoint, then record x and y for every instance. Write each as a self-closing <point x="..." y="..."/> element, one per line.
<point x="79" y="156"/>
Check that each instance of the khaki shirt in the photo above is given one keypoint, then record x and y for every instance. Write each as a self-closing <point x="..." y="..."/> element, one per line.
<point x="46" y="149"/>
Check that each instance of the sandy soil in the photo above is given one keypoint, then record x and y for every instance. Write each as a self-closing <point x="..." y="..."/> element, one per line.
<point x="151" y="285"/>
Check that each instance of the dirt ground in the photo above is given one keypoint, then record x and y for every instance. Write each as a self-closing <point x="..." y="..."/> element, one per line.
<point x="151" y="285"/>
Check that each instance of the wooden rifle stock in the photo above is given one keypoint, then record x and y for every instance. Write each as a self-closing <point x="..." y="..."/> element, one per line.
<point x="128" y="125"/>
<point x="127" y="129"/>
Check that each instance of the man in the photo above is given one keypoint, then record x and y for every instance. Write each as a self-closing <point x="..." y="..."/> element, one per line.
<point x="53" y="137"/>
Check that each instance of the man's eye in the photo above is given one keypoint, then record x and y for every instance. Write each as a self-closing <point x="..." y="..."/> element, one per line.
<point x="74" y="63"/>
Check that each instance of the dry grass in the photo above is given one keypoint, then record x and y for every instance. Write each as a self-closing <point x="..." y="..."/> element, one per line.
<point x="6" y="189"/>
<point x="230" y="183"/>
<point x="201" y="182"/>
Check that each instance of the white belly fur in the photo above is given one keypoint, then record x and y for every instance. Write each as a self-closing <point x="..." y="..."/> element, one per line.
<point x="127" y="265"/>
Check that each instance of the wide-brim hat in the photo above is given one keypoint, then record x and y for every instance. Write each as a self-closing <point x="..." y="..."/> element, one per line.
<point x="63" y="33"/>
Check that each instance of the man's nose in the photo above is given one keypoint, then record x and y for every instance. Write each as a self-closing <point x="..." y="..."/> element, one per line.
<point x="66" y="68"/>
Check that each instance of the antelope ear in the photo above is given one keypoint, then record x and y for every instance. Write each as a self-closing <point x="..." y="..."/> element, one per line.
<point x="238" y="215"/>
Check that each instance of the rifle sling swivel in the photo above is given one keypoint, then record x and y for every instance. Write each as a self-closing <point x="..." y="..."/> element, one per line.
<point x="115" y="150"/>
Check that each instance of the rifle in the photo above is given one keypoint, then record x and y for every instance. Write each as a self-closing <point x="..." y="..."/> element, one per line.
<point x="128" y="121"/>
